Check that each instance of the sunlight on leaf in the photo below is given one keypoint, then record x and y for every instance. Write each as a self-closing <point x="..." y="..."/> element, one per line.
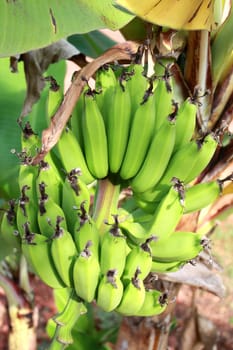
<point x="183" y="14"/>
<point x="27" y="25"/>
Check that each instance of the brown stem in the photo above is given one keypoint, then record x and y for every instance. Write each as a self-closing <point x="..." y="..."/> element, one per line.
<point x="50" y="136"/>
<point x="198" y="73"/>
<point x="21" y="316"/>
<point x="106" y="202"/>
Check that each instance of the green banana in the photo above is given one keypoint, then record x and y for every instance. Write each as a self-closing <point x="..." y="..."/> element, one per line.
<point x="157" y="158"/>
<point x="178" y="246"/>
<point x="185" y="123"/>
<point x="186" y="164"/>
<point x="86" y="230"/>
<point x="136" y="232"/>
<point x="118" y="127"/>
<point x="74" y="193"/>
<point x="68" y="145"/>
<point x="27" y="207"/>
<point x="76" y="120"/>
<point x="207" y="148"/>
<point x="139" y="257"/>
<point x="136" y="215"/>
<point x="164" y="267"/>
<point x="95" y="139"/>
<point x="49" y="175"/>
<point x="30" y="142"/>
<point x="63" y="251"/>
<point x="49" y="213"/>
<point x="133" y="296"/>
<point x="163" y="96"/>
<point x="201" y="195"/>
<point x="9" y="234"/>
<point x="27" y="203"/>
<point x="180" y="164"/>
<point x="86" y="273"/>
<point x="141" y="131"/>
<point x="168" y="212"/>
<point x="105" y="83"/>
<point x="110" y="291"/>
<point x="137" y="85"/>
<point x="36" y="249"/>
<point x="163" y="220"/>
<point x="113" y="250"/>
<point x="152" y="305"/>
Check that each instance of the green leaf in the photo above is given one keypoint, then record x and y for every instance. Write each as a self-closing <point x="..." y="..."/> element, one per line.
<point x="91" y="44"/>
<point x="11" y="100"/>
<point x="27" y="25"/>
<point x="13" y="92"/>
<point x="222" y="47"/>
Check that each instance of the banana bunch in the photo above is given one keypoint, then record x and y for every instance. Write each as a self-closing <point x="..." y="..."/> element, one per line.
<point x="73" y="226"/>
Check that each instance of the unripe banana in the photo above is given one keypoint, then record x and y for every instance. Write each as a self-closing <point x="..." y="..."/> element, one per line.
<point x="9" y="234"/>
<point x="95" y="139"/>
<point x="163" y="220"/>
<point x="168" y="212"/>
<point x="118" y="126"/>
<point x="135" y="215"/>
<point x="86" y="230"/>
<point x="151" y="305"/>
<point x="207" y="148"/>
<point x="137" y="85"/>
<point x="30" y="141"/>
<point x="133" y="296"/>
<point x="136" y="232"/>
<point x="164" y="267"/>
<point x="27" y="206"/>
<point x="110" y="291"/>
<point x="68" y="145"/>
<point x="49" y="175"/>
<point x="141" y="131"/>
<point x="76" y="120"/>
<point x="181" y="163"/>
<point x="74" y="193"/>
<point x="163" y="95"/>
<point x="201" y="195"/>
<point x="36" y="249"/>
<point x="27" y="203"/>
<point x="185" y="123"/>
<point x="186" y="164"/>
<point x="113" y="250"/>
<point x="156" y="159"/>
<point x="48" y="213"/>
<point x="64" y="252"/>
<point x="86" y="273"/>
<point x="138" y="258"/>
<point x="105" y="85"/>
<point x="179" y="246"/>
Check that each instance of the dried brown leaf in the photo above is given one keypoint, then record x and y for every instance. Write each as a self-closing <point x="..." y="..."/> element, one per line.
<point x="36" y="63"/>
<point x="199" y="276"/>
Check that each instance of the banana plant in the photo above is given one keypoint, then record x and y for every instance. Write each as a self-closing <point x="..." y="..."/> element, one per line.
<point x="200" y="73"/>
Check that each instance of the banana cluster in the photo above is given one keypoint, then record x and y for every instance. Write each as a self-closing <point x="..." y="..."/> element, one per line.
<point x="131" y="131"/>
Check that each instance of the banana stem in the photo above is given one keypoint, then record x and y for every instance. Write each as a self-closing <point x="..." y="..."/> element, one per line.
<point x="24" y="281"/>
<point x="20" y="315"/>
<point x="106" y="203"/>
